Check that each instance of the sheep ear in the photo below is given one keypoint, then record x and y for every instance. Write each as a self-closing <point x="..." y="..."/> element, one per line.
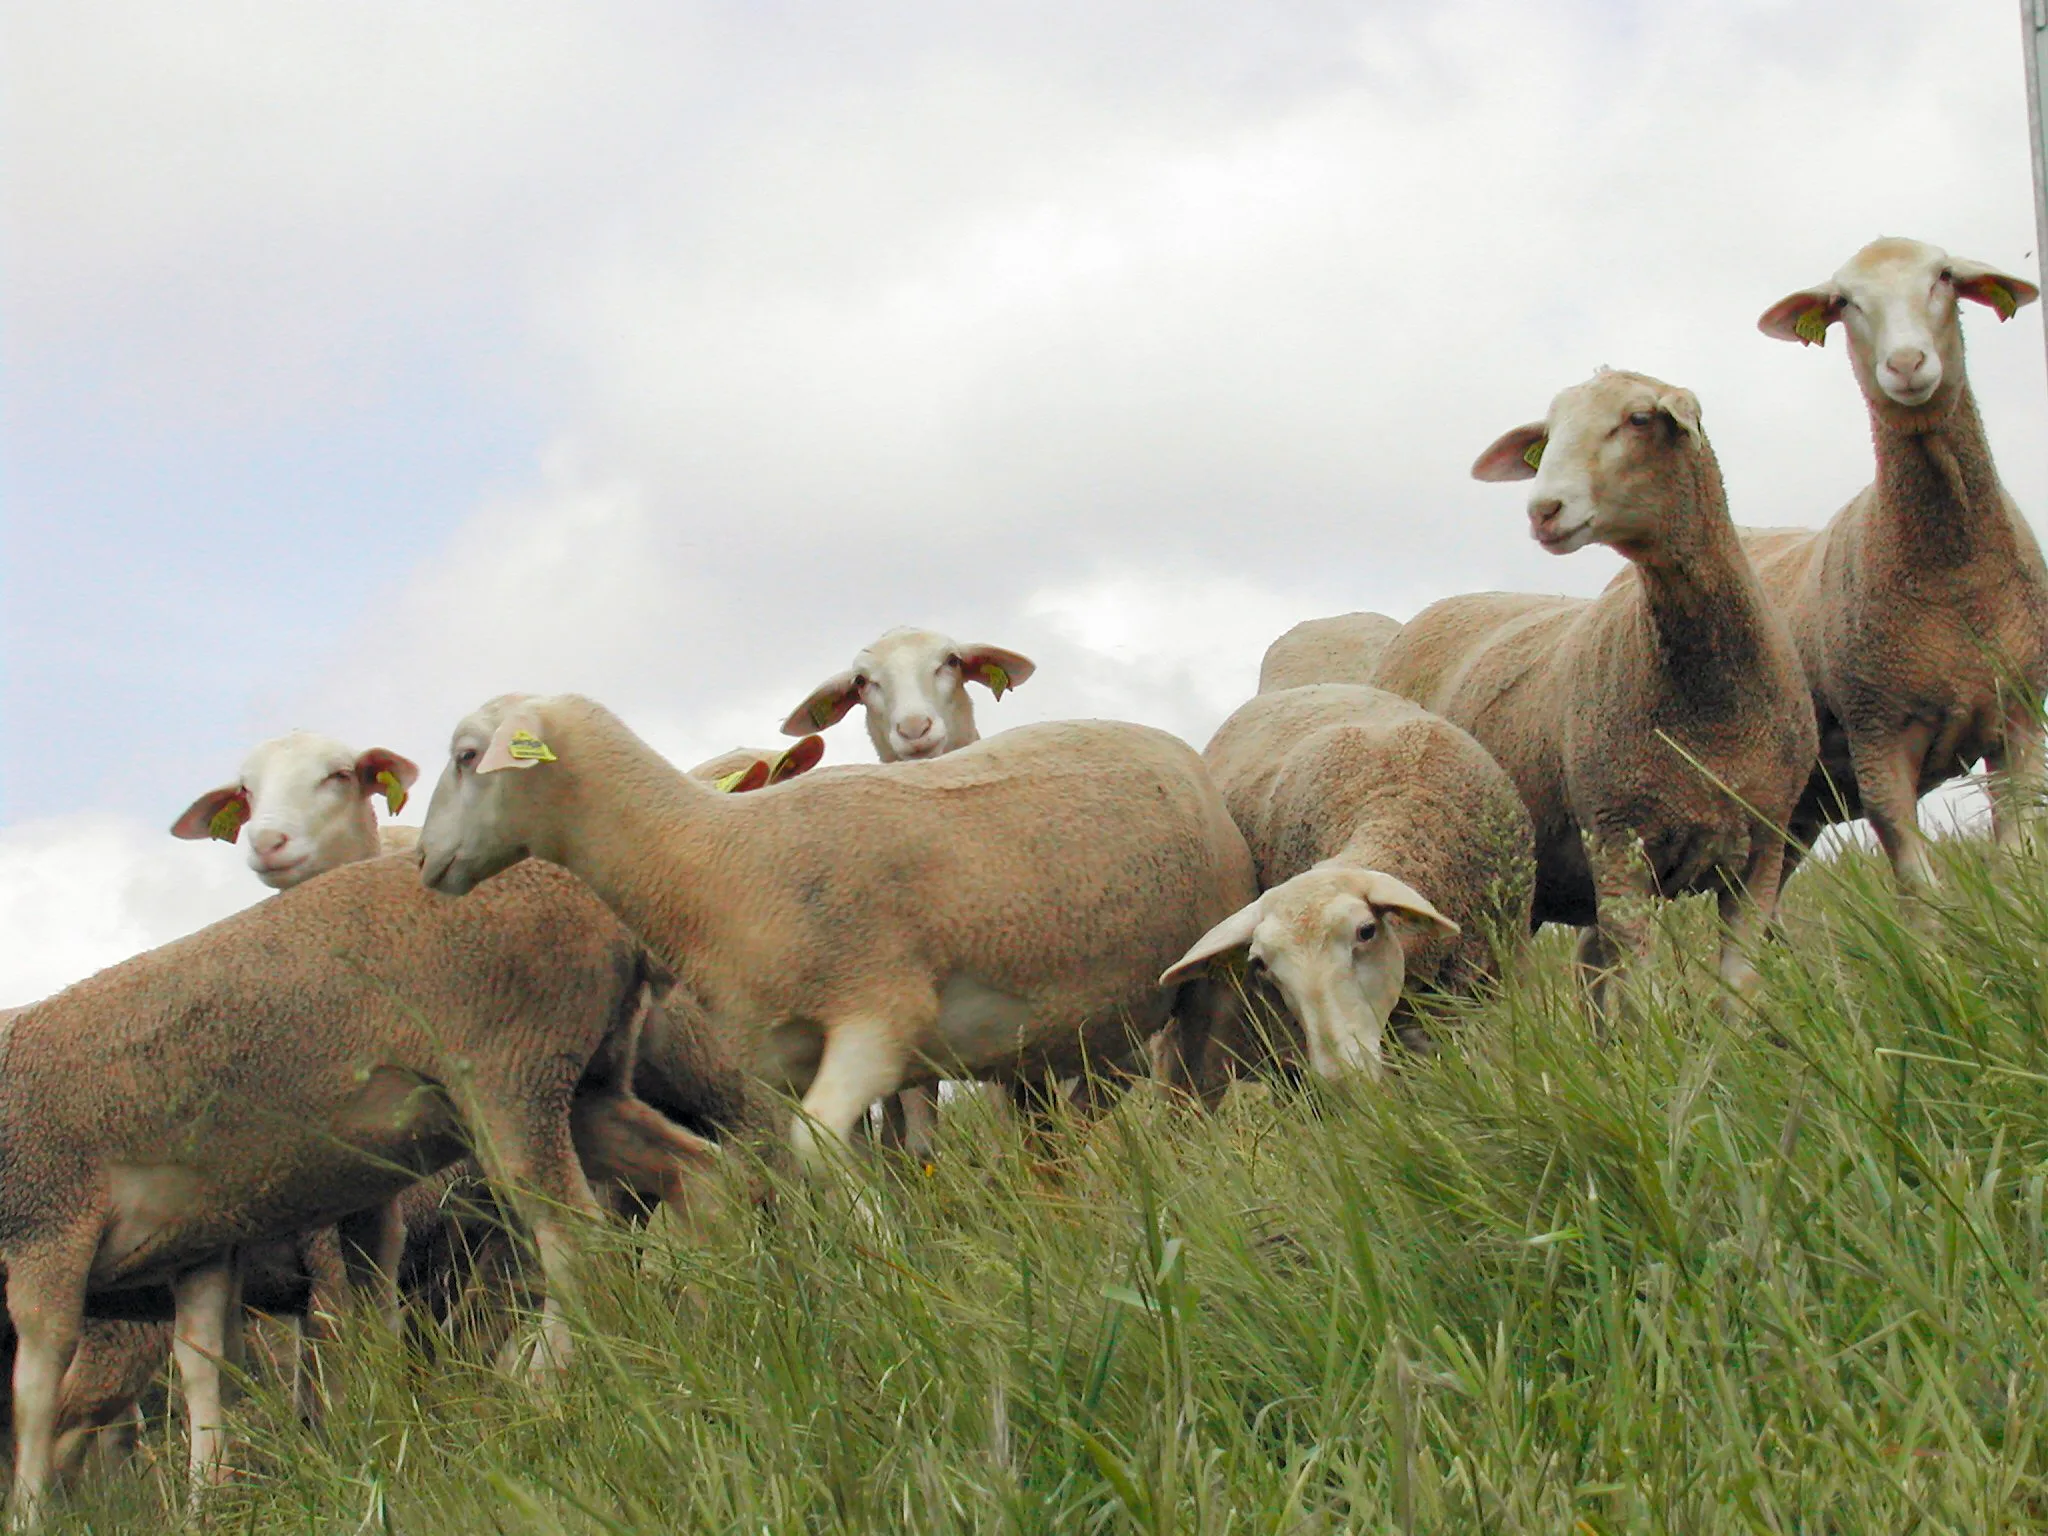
<point x="1234" y="932"/>
<point x="1683" y="407"/>
<point x="219" y="813"/>
<point x="1992" y="288"/>
<point x="1803" y="317"/>
<point x="827" y="705"/>
<point x="516" y="743"/>
<point x="801" y="758"/>
<point x="995" y="668"/>
<point x="1390" y="895"/>
<point x="382" y="771"/>
<point x="747" y="779"/>
<point x="1514" y="455"/>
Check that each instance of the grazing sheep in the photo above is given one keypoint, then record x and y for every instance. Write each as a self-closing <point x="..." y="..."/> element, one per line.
<point x="913" y="684"/>
<point x="301" y="1060"/>
<point x="1002" y="912"/>
<point x="1921" y="611"/>
<point x="1660" y="733"/>
<point x="1353" y="801"/>
<point x="1343" y="649"/>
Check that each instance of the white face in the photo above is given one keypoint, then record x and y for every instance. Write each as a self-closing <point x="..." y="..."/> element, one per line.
<point x="1605" y="454"/>
<point x="308" y="812"/>
<point x="1338" y="964"/>
<point x="1898" y="306"/>
<point x="912" y="685"/>
<point x="466" y="838"/>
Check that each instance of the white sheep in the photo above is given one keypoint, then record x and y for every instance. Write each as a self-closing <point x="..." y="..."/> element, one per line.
<point x="1660" y="733"/>
<point x="1003" y="912"/>
<point x="303" y="1059"/>
<point x="1345" y="648"/>
<point x="1921" y="610"/>
<point x="305" y="801"/>
<point x="1391" y="849"/>
<point x="913" y="684"/>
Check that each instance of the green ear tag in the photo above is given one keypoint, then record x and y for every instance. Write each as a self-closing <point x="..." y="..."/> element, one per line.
<point x="226" y="823"/>
<point x="731" y="781"/>
<point x="1812" y="326"/>
<point x="394" y="792"/>
<point x="1533" y="454"/>
<point x="821" y="713"/>
<point x="526" y="747"/>
<point x="996" y="678"/>
<point x="2001" y="299"/>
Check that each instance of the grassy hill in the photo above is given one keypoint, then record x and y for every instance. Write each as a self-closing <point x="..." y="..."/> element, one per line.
<point x="1778" y="1271"/>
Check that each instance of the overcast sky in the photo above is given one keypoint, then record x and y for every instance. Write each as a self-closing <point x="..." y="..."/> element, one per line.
<point x="363" y="361"/>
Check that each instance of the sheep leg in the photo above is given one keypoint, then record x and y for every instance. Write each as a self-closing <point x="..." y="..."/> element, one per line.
<point x="1619" y="935"/>
<point x="1888" y="779"/>
<point x="525" y="1145"/>
<point x="1746" y="910"/>
<point x="46" y="1301"/>
<point x="863" y="1060"/>
<point x="2015" y="782"/>
<point x="205" y="1299"/>
<point x="919" y="1107"/>
<point x="372" y="1242"/>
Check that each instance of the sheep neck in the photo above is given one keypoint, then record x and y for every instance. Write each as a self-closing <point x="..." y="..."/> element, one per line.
<point x="1700" y="599"/>
<point x="1937" y="490"/>
<point x="643" y="837"/>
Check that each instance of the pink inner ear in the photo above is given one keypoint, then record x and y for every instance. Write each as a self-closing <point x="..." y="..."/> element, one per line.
<point x="1508" y="456"/>
<point x="197" y="821"/>
<point x="827" y="705"/>
<point x="499" y="753"/>
<point x="801" y="758"/>
<point x="382" y="760"/>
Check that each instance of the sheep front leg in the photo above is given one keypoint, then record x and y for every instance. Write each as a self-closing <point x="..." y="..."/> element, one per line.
<point x="1623" y="890"/>
<point x="2015" y="783"/>
<point x="526" y="1147"/>
<point x="864" y="1060"/>
<point x="46" y="1301"/>
<point x="1746" y="911"/>
<point x="205" y="1299"/>
<point x="1888" y="780"/>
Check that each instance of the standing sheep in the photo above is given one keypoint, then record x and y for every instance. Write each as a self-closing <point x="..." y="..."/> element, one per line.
<point x="176" y="1106"/>
<point x="1343" y="649"/>
<point x="1660" y="733"/>
<point x="1391" y="849"/>
<point x="1003" y="912"/>
<point x="1921" y="611"/>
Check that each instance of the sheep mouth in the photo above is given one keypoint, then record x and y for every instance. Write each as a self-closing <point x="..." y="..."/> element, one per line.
<point x="1562" y="541"/>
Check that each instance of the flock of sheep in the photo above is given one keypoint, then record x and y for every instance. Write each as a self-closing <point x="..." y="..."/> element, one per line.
<point x="645" y="964"/>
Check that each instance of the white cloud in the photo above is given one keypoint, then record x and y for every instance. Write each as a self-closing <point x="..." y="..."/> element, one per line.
<point x="78" y="893"/>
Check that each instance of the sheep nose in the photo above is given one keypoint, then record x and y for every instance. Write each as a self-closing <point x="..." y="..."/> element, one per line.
<point x="1543" y="513"/>
<point x="914" y="727"/>
<point x="268" y="841"/>
<point x="1906" y="363"/>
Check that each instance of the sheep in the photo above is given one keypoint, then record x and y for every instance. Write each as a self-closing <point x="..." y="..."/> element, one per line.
<point x="159" y="1114"/>
<point x="1660" y="733"/>
<point x="913" y="683"/>
<point x="1391" y="849"/>
<point x="1343" y="649"/>
<point x="1002" y="912"/>
<point x="304" y="800"/>
<point x="1921" y="610"/>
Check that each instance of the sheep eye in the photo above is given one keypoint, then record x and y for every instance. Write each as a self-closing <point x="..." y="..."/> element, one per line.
<point x="341" y="775"/>
<point x="1367" y="930"/>
<point x="956" y="663"/>
<point x="860" y="682"/>
<point x="1947" y="275"/>
<point x="1641" y="418"/>
<point x="466" y="757"/>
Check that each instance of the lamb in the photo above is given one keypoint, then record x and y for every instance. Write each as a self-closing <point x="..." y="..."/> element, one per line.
<point x="171" y="1108"/>
<point x="913" y="683"/>
<point x="1391" y="849"/>
<point x="1660" y="733"/>
<point x="1002" y="912"/>
<point x="1343" y="649"/>
<point x="1921" y="611"/>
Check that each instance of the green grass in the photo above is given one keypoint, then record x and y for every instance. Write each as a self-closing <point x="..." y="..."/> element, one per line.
<point x="1778" y="1271"/>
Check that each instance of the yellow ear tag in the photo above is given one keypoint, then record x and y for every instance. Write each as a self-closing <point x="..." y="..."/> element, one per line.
<point x="226" y="823"/>
<point x="821" y="713"/>
<point x="1533" y="454"/>
<point x="996" y="678"/>
<point x="526" y="747"/>
<point x="731" y="781"/>
<point x="394" y="792"/>
<point x="2001" y="299"/>
<point x="1812" y="326"/>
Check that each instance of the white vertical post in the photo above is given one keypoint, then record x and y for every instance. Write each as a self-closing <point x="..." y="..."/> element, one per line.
<point x="2034" y="29"/>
